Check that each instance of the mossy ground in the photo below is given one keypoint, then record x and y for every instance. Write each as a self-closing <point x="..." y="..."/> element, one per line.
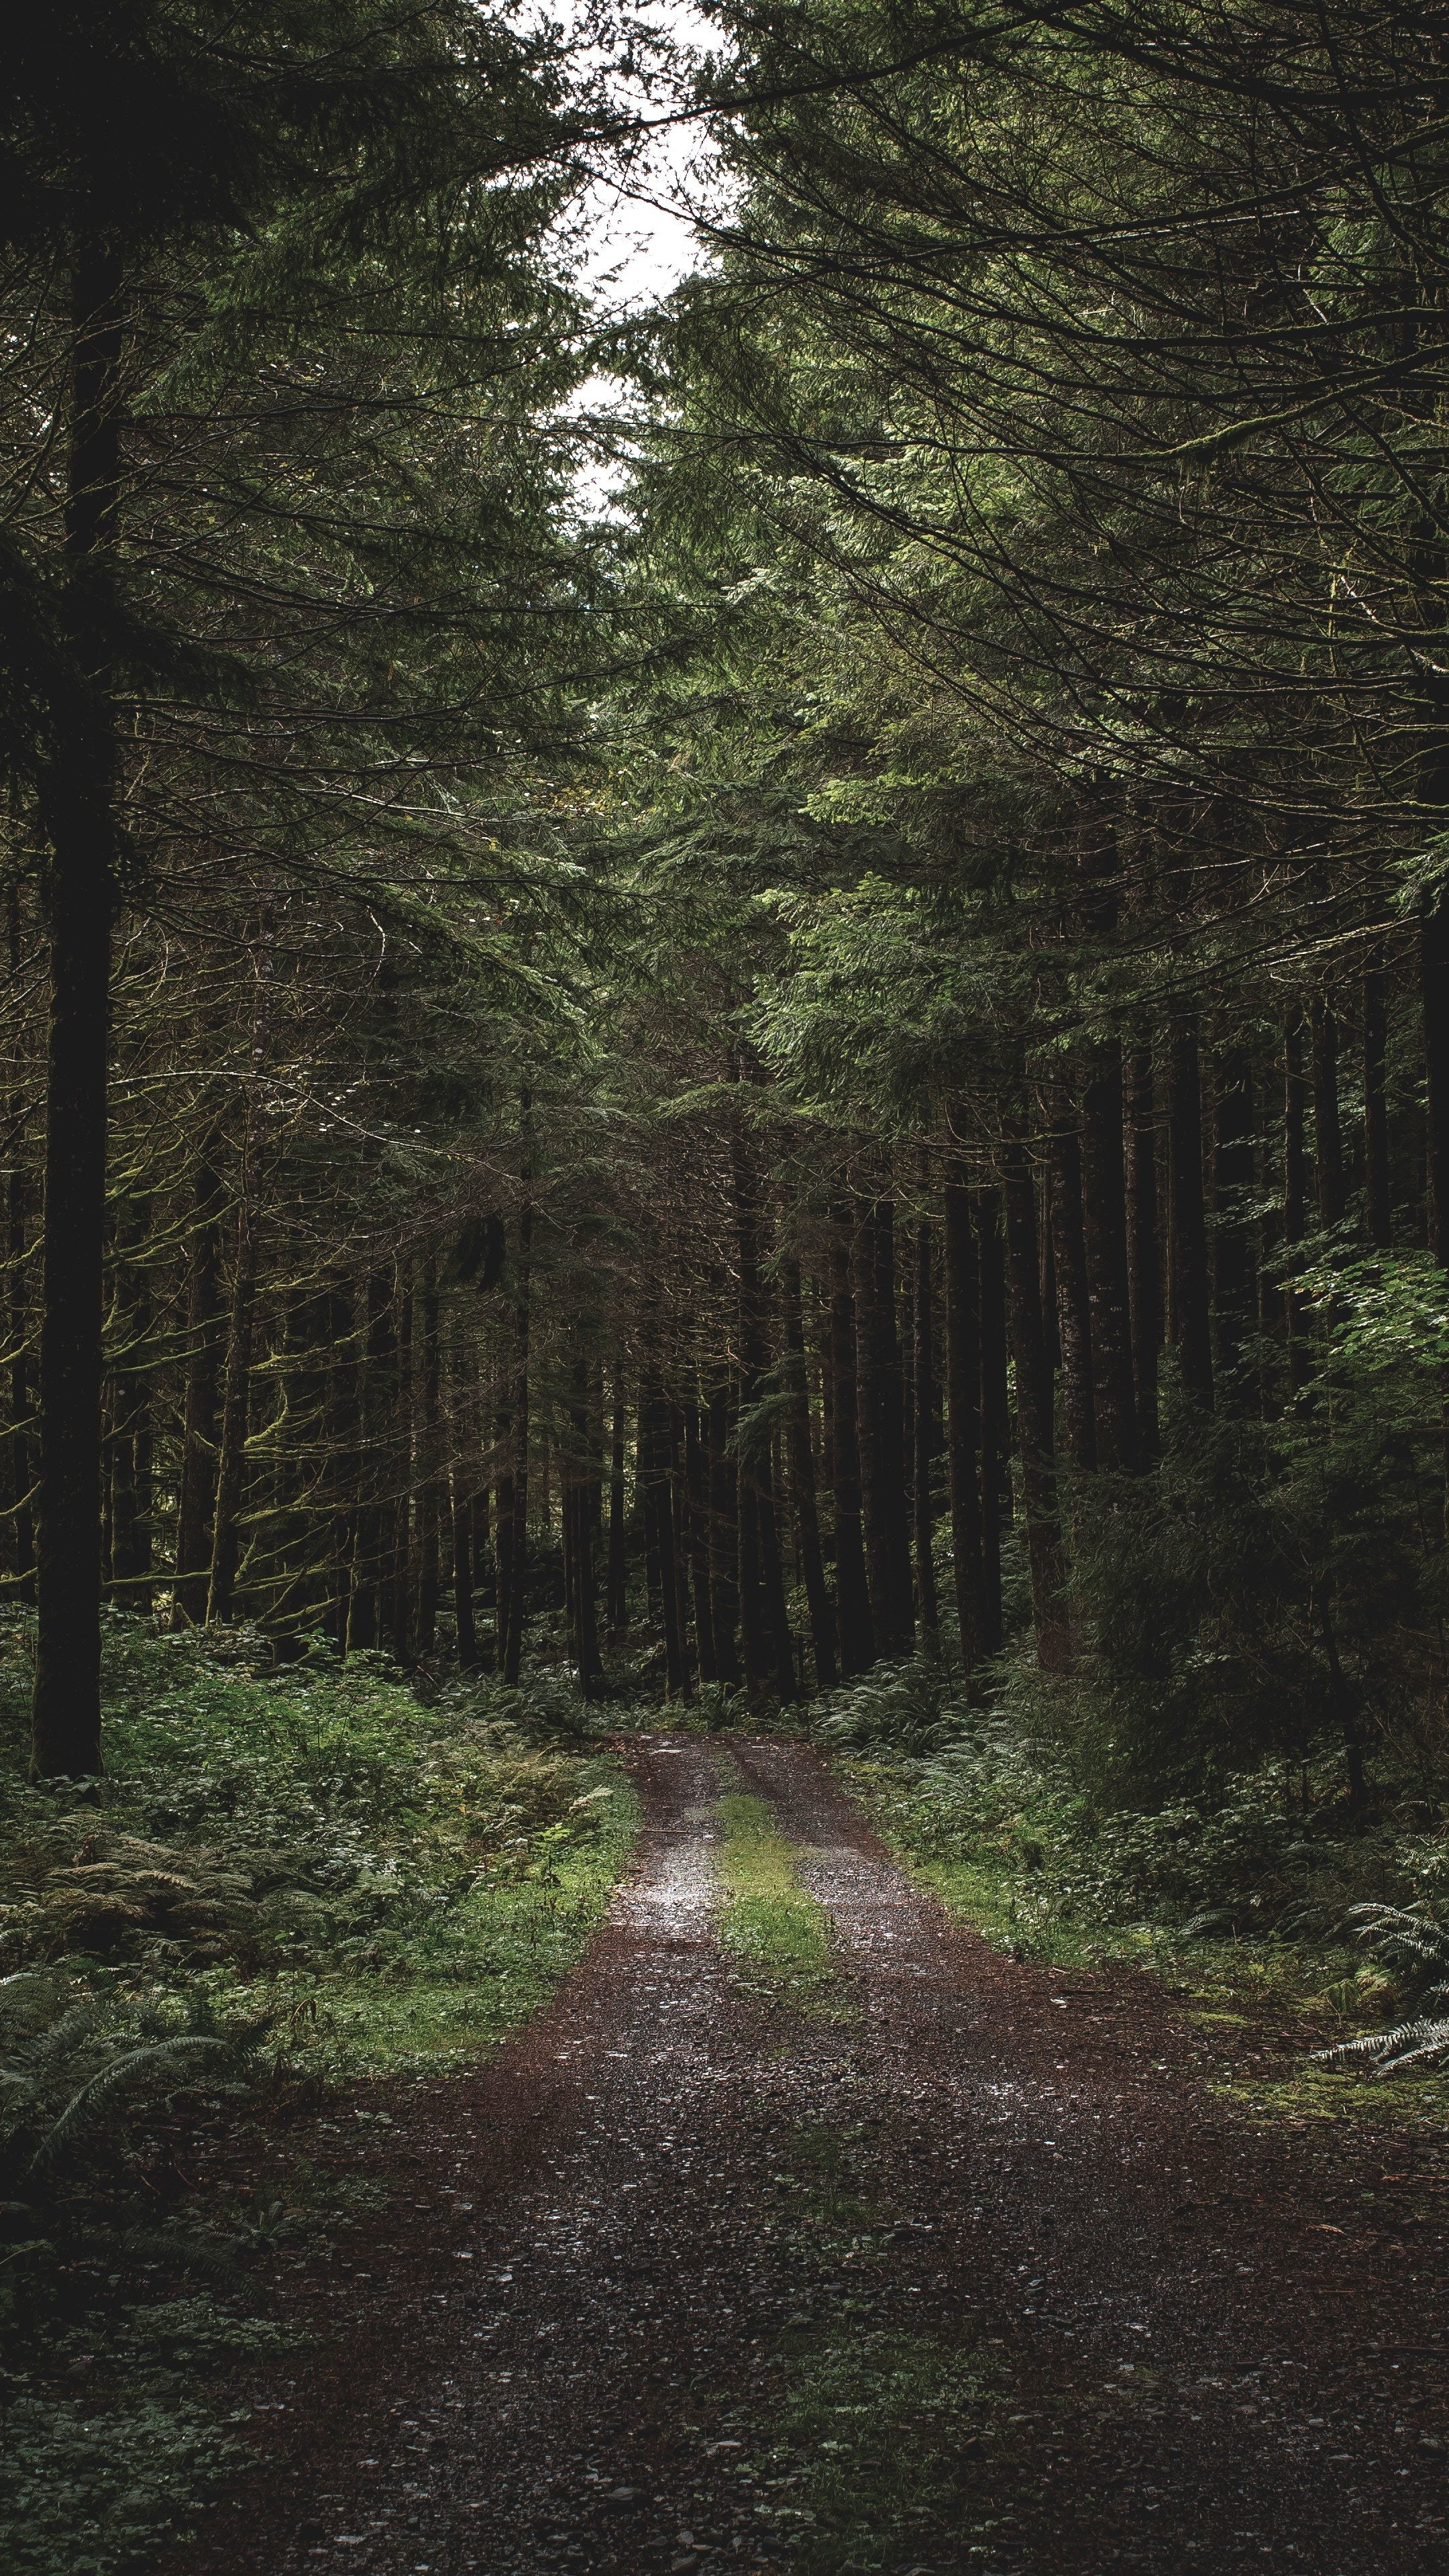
<point x="881" y="2441"/>
<point x="774" y="1932"/>
<point x="1305" y="1996"/>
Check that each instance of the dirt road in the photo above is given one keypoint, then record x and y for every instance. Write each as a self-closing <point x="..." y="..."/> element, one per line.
<point x="953" y="2276"/>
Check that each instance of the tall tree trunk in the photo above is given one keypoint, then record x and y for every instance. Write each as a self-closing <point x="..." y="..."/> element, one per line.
<point x="398" y="1559"/>
<point x="1327" y="1130"/>
<point x="752" y="1617"/>
<point x="724" y="1595"/>
<point x="1034" y="1413"/>
<point x="364" y="1610"/>
<point x="882" y="1442"/>
<point x="1295" y="1189"/>
<point x="17" y="1302"/>
<point x="617" y="1593"/>
<point x="1104" y="1215"/>
<point x="199" y="1410"/>
<point x="963" y="1420"/>
<point x="460" y="1518"/>
<point x="1142" y="1251"/>
<point x="79" y="814"/>
<point x="995" y="1438"/>
<point x="1378" y="1214"/>
<point x="764" y="1623"/>
<point x="430" y="1462"/>
<point x="344" y="1461"/>
<point x="503" y="1532"/>
<point x="131" y="1534"/>
<point x="802" y="1483"/>
<point x="659" y="1524"/>
<point x="576" y="1471"/>
<point x="518" y="1499"/>
<point x="696" y="1486"/>
<point x="1234" y="1178"/>
<point x="923" y="1396"/>
<point x="852" y="1595"/>
<point x="679" y="1507"/>
<point x="236" y="1405"/>
<point x="1074" y="1311"/>
<point x="457" y="1483"/>
<point x="1189" y="1225"/>
<point x="647" y="1468"/>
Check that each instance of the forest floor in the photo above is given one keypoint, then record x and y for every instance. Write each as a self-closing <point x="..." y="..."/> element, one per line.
<point x="803" y="2228"/>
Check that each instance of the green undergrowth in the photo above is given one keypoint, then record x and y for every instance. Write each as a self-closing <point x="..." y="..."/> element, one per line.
<point x="1240" y="1904"/>
<point x="773" y="1930"/>
<point x="287" y="1882"/>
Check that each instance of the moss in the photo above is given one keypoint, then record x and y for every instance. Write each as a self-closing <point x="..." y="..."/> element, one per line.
<point x="773" y="1930"/>
<point x="881" y="2440"/>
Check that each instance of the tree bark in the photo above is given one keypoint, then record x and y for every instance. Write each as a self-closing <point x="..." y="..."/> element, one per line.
<point x="696" y="1485"/>
<point x="802" y="1484"/>
<point x="659" y="1524"/>
<point x="1434" y="993"/>
<point x="131" y="1437"/>
<point x="882" y="1432"/>
<point x="1074" y="1311"/>
<point x="18" y="1444"/>
<point x="236" y="1406"/>
<point x="364" y="1609"/>
<point x="963" y="1419"/>
<point x="79" y="814"/>
<point x="460" y="1514"/>
<point x="578" y="1525"/>
<point x="1378" y="1214"/>
<point x="1234" y="1176"/>
<point x="923" y="1392"/>
<point x="203" y="1380"/>
<point x="397" y="1581"/>
<point x="1189" y="1226"/>
<point x="430" y="1463"/>
<point x="852" y="1595"/>
<point x="1142" y="1249"/>
<point x="679" y="1507"/>
<point x="1104" y="1211"/>
<point x="503" y="1530"/>
<point x="1034" y="1412"/>
<point x="724" y="1590"/>
<point x="995" y="1464"/>
<point x="617" y="1601"/>
<point x="518" y="1498"/>
<point x="1295" y="1189"/>
<point x="764" y="1623"/>
<point x="1327" y="1130"/>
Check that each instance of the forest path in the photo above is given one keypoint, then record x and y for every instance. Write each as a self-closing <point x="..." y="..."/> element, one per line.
<point x="674" y="2226"/>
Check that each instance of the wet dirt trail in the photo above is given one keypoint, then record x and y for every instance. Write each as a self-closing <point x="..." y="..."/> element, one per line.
<point x="572" y="2341"/>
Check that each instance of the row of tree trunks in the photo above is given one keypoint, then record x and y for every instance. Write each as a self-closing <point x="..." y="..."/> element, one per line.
<point x="1036" y="1433"/>
<point x="852" y="1592"/>
<point x="766" y="1642"/>
<point x="882" y="1432"/>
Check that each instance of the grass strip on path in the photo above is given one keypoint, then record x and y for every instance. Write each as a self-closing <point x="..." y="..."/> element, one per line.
<point x="774" y="1931"/>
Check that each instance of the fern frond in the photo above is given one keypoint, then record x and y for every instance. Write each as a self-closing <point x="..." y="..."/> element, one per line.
<point x="118" y="2077"/>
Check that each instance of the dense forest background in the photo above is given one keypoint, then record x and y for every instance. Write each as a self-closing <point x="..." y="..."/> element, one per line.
<point x="790" y="1023"/>
<point x="727" y="1011"/>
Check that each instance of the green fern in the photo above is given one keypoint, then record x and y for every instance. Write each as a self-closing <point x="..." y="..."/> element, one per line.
<point x="1407" y="1939"/>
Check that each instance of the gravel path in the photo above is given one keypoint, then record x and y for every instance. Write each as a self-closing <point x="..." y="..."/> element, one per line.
<point x="567" y="2346"/>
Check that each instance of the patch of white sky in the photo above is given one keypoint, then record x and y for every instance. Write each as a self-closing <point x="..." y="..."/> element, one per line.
<point x="635" y="232"/>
